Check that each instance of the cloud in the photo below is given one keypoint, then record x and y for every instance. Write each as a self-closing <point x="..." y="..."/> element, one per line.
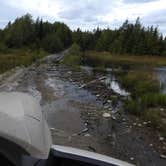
<point x="156" y="19"/>
<point x="87" y="14"/>
<point x="36" y="7"/>
<point x="86" y="10"/>
<point x="137" y="1"/>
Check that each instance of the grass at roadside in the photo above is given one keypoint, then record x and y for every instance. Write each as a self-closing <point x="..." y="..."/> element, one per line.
<point x="73" y="57"/>
<point x="15" y="58"/>
<point x="146" y="100"/>
<point x="108" y="59"/>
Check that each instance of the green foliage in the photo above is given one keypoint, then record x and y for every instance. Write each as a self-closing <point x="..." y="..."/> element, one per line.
<point x="74" y="50"/>
<point x="84" y="39"/>
<point x="104" y="41"/>
<point x="63" y="33"/>
<point x="140" y="83"/>
<point x="133" y="39"/>
<point x="52" y="43"/>
<point x="18" y="58"/>
<point x="107" y="59"/>
<point x="24" y="32"/>
<point x="153" y="100"/>
<point x="132" y="107"/>
<point x="73" y="57"/>
<point x="128" y="39"/>
<point x="156" y="115"/>
<point x="146" y="100"/>
<point x="3" y="48"/>
<point x="157" y="119"/>
<point x="20" y="33"/>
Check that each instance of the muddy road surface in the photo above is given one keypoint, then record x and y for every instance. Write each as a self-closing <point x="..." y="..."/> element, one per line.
<point x="79" y="116"/>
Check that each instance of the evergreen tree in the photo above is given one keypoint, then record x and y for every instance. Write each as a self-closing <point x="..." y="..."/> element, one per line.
<point x="130" y="38"/>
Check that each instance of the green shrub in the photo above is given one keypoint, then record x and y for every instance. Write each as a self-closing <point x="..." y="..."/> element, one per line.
<point x="133" y="107"/>
<point x="73" y="57"/>
<point x="140" y="83"/>
<point x="157" y="118"/>
<point x="153" y="100"/>
<point x="18" y="58"/>
<point x="3" y="48"/>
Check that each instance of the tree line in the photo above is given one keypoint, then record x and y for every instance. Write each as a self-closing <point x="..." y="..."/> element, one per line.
<point x="130" y="38"/>
<point x="24" y="32"/>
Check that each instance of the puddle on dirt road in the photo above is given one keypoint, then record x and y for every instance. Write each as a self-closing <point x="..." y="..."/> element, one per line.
<point x="56" y="85"/>
<point x="64" y="113"/>
<point x="161" y="74"/>
<point x="111" y="82"/>
<point x="108" y="78"/>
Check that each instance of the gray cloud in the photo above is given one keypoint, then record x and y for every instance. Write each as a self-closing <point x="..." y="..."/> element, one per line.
<point x="86" y="10"/>
<point x="156" y="19"/>
<point x="7" y="13"/>
<point x="88" y="14"/>
<point x="137" y="1"/>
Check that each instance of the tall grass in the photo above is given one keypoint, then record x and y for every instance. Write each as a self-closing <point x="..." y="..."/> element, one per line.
<point x="73" y="56"/>
<point x="140" y="82"/>
<point x="146" y="100"/>
<point x="107" y="59"/>
<point x="13" y="58"/>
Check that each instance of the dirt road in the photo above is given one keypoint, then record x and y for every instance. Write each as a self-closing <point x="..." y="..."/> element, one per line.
<point x="77" y="117"/>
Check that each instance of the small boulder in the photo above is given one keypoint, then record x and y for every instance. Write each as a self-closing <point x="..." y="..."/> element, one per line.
<point x="161" y="138"/>
<point x="87" y="135"/>
<point x="163" y="156"/>
<point x="131" y="158"/>
<point x="106" y="115"/>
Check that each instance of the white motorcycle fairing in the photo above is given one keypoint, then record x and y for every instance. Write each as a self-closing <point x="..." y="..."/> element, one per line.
<point x="22" y="122"/>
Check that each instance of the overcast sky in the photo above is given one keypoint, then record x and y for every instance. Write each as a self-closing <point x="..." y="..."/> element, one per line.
<point x="87" y="14"/>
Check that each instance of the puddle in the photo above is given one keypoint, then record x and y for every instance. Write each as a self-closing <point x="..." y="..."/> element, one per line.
<point x="87" y="69"/>
<point x="56" y="86"/>
<point x="161" y="74"/>
<point x="64" y="112"/>
<point x="108" y="79"/>
<point x="113" y="84"/>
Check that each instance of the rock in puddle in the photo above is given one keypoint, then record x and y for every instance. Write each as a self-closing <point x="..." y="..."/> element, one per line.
<point x="97" y="95"/>
<point x="151" y="145"/>
<point x="134" y="124"/>
<point x="139" y="125"/>
<point x="87" y="135"/>
<point x="131" y="158"/>
<point x="163" y="156"/>
<point x="82" y="86"/>
<point x="161" y="138"/>
<point x="161" y="109"/>
<point x="108" y="101"/>
<point x="86" y="124"/>
<point x="52" y="129"/>
<point x="85" y="130"/>
<point x="106" y="115"/>
<point x="145" y="123"/>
